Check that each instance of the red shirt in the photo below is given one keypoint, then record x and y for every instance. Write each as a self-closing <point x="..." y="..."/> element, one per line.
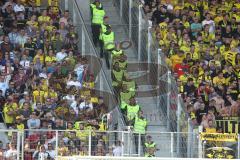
<point x="181" y="68"/>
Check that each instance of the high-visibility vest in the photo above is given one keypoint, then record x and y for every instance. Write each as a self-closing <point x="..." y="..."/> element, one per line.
<point x="148" y="145"/>
<point x="123" y="104"/>
<point x="230" y="58"/>
<point x="118" y="75"/>
<point x="140" y="125"/>
<point x="116" y="53"/>
<point x="108" y="41"/>
<point x="125" y="96"/>
<point x="20" y="127"/>
<point x="131" y="85"/>
<point x="97" y="17"/>
<point x="148" y="155"/>
<point x="132" y="111"/>
<point x="93" y="5"/>
<point x="52" y="2"/>
<point x="77" y="124"/>
<point x="103" y="30"/>
<point x="123" y="65"/>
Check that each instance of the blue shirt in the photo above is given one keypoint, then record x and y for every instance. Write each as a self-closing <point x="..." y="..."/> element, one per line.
<point x="195" y="26"/>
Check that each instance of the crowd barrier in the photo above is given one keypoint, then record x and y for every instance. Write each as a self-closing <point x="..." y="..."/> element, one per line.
<point x="168" y="101"/>
<point x="128" y="158"/>
<point x="63" y="144"/>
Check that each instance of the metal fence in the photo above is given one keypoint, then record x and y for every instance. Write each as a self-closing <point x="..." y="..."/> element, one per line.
<point x="87" y="48"/>
<point x="168" y="101"/>
<point x="31" y="144"/>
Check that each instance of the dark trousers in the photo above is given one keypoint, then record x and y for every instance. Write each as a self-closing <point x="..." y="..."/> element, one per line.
<point x="101" y="48"/>
<point x="142" y="136"/>
<point x="107" y="54"/>
<point x="96" y="33"/>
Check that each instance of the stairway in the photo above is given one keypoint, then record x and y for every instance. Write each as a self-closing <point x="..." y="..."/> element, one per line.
<point x="156" y="120"/>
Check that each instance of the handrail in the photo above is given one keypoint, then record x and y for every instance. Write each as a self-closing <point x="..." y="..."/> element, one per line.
<point x="125" y="158"/>
<point x="95" y="52"/>
<point x="91" y="41"/>
<point x="67" y="130"/>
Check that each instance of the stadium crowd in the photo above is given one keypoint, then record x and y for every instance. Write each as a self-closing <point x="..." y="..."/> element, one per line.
<point x="47" y="85"/>
<point x="200" y="40"/>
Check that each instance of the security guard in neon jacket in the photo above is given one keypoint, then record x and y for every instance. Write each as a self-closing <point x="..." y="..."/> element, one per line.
<point x="139" y="129"/>
<point x="140" y="124"/>
<point x="149" y="144"/>
<point x="93" y="5"/>
<point x="97" y="19"/>
<point x="118" y="76"/>
<point x="108" y="42"/>
<point x="103" y="29"/>
<point x="150" y="153"/>
<point x="132" y="111"/>
<point x="117" y="52"/>
<point x="125" y="95"/>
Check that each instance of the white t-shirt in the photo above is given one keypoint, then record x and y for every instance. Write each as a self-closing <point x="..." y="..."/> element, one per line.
<point x="3" y="86"/>
<point x="11" y="153"/>
<point x="60" y="56"/>
<point x="63" y="20"/>
<point x="69" y="97"/>
<point x="117" y="151"/>
<point x="74" y="83"/>
<point x="19" y="8"/>
<point x="51" y="153"/>
<point x="83" y="105"/>
<point x="211" y="23"/>
<point x="25" y="63"/>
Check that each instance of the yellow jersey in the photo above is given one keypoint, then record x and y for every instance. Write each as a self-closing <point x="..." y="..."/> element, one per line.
<point x="50" y="59"/>
<point x="38" y="93"/>
<point x="43" y="19"/>
<point x="176" y="59"/>
<point x="219" y="81"/>
<point x="7" y="108"/>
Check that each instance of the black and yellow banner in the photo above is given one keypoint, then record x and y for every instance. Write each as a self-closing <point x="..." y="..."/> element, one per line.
<point x="220" y="137"/>
<point x="229" y="124"/>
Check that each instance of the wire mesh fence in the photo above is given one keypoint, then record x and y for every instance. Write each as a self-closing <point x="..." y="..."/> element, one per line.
<point x="50" y="144"/>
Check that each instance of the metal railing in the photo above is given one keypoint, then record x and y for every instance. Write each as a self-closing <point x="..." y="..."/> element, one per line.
<point x="127" y="158"/>
<point x="168" y="100"/>
<point x="87" y="48"/>
<point x="64" y="143"/>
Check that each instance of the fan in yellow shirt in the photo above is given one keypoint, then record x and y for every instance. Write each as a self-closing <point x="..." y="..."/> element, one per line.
<point x="44" y="17"/>
<point x="211" y="128"/>
<point x="219" y="80"/>
<point x="49" y="26"/>
<point x="207" y="37"/>
<point x="230" y="57"/>
<point x="50" y="93"/>
<point x="185" y="48"/>
<point x="51" y="57"/>
<point x="194" y="53"/>
<point x="9" y="111"/>
<point x="38" y="94"/>
<point x="35" y="3"/>
<point x="53" y="2"/>
<point x="44" y="84"/>
<point x="177" y="58"/>
<point x="82" y="133"/>
<point x="39" y="56"/>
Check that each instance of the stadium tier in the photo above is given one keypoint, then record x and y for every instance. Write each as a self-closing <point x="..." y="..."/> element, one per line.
<point x="119" y="79"/>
